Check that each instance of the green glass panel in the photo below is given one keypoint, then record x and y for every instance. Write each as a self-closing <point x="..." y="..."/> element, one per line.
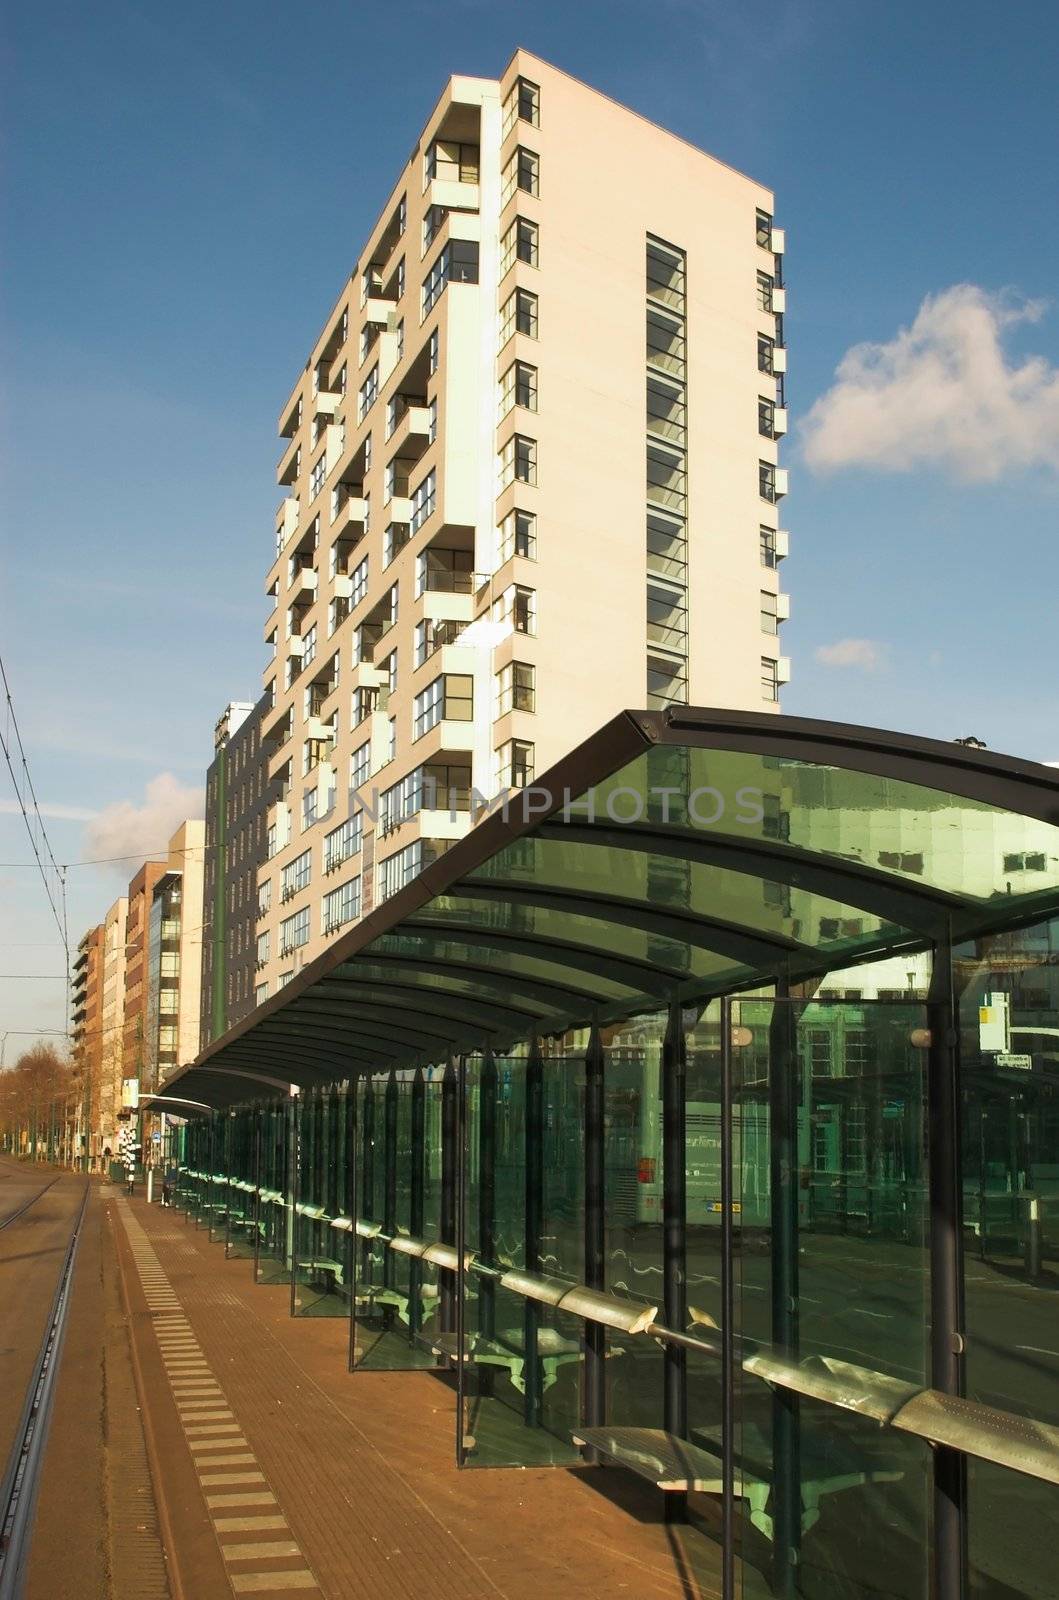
<point x="522" y="1360"/>
<point x="242" y="1196"/>
<point x="321" y="1265"/>
<point x="397" y="1295"/>
<point x="632" y="1187"/>
<point x="659" y="951"/>
<point x="833" y="1282"/>
<point x="664" y="882"/>
<point x="275" y="1212"/>
<point x="438" y="948"/>
<point x="1008" y="989"/>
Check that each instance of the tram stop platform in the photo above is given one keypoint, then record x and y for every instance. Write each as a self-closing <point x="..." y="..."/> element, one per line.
<point x="277" y="1471"/>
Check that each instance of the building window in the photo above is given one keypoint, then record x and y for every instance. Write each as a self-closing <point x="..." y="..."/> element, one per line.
<point x="666" y="478"/>
<point x="296" y="875"/>
<point x="399" y="337"/>
<point x="452" y="161"/>
<point x="767" y="536"/>
<point x="766" y="479"/>
<point x="522" y="172"/>
<point x="359" y="580"/>
<point x="449" y="698"/>
<point x="667" y="680"/>
<point x="763" y="229"/>
<point x="260" y="993"/>
<point x="433" y="352"/>
<point x="665" y="341"/>
<point x="294" y="931"/>
<point x="665" y="273"/>
<point x="264" y="896"/>
<point x="516" y="764"/>
<point x="432" y="424"/>
<point x="424" y="500"/>
<point x="521" y="242"/>
<point x="264" y="946"/>
<point x="770" y="679"/>
<point x="518" y="387"/>
<point x="523" y="104"/>
<point x="316" y="476"/>
<point x="518" y="315"/>
<point x="766" y="349"/>
<point x="342" y="842"/>
<point x="309" y="644"/>
<point x="456" y="263"/>
<point x="399" y="869"/>
<point x="518" y="536"/>
<point x="766" y="417"/>
<point x="518" y="461"/>
<point x="769" y="618"/>
<point x="432" y="224"/>
<point x="765" y="285"/>
<point x="341" y="905"/>
<point x="667" y="617"/>
<point x="360" y="766"/>
<point x="310" y="807"/>
<point x="369" y="393"/>
<point x="518" y="607"/>
<point x="665" y="409"/>
<point x="516" y="688"/>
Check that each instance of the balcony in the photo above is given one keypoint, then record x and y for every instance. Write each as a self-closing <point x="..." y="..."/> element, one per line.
<point x="400" y="509"/>
<point x="783" y="607"/>
<point x="342" y="586"/>
<point x="381" y="313"/>
<point x="411" y="435"/>
<point x="782" y="482"/>
<point x="779" y="358"/>
<point x="327" y="403"/>
<point x="783" y="544"/>
<point x="779" y="301"/>
<point x="778" y="241"/>
<point x="452" y="194"/>
<point x="287" y="470"/>
<point x="779" y="422"/>
<point x="289" y="510"/>
<point x="351" y="514"/>
<point x="303" y="586"/>
<point x="316" y="728"/>
<point x="367" y="676"/>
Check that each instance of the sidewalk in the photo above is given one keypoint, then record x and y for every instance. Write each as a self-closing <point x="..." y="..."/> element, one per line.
<point x="308" y="1479"/>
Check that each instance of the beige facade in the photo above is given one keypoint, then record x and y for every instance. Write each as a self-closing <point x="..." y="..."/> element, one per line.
<point x="112" y="1025"/>
<point x="86" y="999"/>
<point x="531" y="478"/>
<point x="174" y="957"/>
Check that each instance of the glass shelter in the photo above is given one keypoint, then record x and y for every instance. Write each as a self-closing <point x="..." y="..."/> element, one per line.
<point x="698" y="1115"/>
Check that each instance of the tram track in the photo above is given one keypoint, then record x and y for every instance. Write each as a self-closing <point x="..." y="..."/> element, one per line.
<point x="22" y="1209"/>
<point x="21" y="1480"/>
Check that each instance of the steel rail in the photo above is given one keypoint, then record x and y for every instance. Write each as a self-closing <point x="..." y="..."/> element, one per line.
<point x="24" y="1208"/>
<point x="18" y="1496"/>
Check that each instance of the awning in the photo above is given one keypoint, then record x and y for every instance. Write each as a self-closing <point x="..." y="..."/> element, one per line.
<point x="675" y="855"/>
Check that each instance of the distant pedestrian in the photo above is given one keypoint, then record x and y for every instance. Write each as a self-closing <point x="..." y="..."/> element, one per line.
<point x="169" y="1177"/>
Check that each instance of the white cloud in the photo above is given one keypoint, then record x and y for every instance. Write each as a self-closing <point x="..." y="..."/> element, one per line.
<point x="138" y="831"/>
<point x="941" y="394"/>
<point x="862" y="653"/>
<point x="48" y="808"/>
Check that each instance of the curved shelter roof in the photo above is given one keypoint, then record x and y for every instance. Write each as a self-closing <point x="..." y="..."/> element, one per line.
<point x="674" y="855"/>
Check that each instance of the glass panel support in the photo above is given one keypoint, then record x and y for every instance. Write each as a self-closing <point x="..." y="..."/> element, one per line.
<point x="389" y="1181"/>
<point x="946" y="1269"/>
<point x="595" y="1337"/>
<point x="449" y="1175"/>
<point x="488" y="1080"/>
<point x="674" y="1238"/>
<point x="257" y="1189"/>
<point x="352" y="1211"/>
<point x="417" y="1198"/>
<point x="534" y="1212"/>
<point x="784" y="1095"/>
<point x="728" y="1591"/>
<point x="294" y="1162"/>
<point x="461" y="1254"/>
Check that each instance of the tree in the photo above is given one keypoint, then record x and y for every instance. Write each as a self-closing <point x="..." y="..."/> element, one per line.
<point x="36" y="1100"/>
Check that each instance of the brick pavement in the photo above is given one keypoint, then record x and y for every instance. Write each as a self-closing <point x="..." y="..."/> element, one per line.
<point x="363" y="1492"/>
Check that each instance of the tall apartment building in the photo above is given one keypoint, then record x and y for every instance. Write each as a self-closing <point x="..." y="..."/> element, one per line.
<point x="112" y="1026"/>
<point x="174" y="957"/>
<point x="237" y="797"/>
<point x="530" y="477"/>
<point x="134" y="1031"/>
<point x="86" y="1002"/>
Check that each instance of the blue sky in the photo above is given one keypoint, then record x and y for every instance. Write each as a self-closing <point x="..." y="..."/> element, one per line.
<point x="187" y="188"/>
